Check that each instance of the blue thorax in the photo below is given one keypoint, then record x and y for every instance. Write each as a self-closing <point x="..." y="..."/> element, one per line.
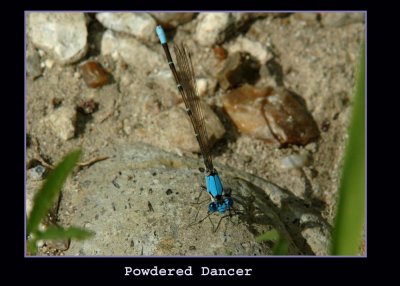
<point x="214" y="188"/>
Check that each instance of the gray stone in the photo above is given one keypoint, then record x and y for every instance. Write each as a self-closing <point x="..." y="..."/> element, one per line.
<point x="140" y="25"/>
<point x="33" y="68"/>
<point x="131" y="51"/>
<point x="62" y="35"/>
<point x="142" y="202"/>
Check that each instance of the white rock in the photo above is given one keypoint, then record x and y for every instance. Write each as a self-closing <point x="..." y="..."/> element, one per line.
<point x="211" y="27"/>
<point x="131" y="51"/>
<point x="256" y="49"/>
<point x="140" y="25"/>
<point x="312" y="147"/>
<point x="62" y="122"/>
<point x="62" y="35"/>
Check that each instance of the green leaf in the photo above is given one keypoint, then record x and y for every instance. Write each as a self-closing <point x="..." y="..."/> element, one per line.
<point x="280" y="244"/>
<point x="271" y="235"/>
<point x="47" y="195"/>
<point x="350" y="217"/>
<point x="31" y="246"/>
<point x="55" y="233"/>
<point x="281" y="248"/>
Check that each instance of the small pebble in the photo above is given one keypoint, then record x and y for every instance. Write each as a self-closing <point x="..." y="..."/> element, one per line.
<point x="58" y="244"/>
<point x="289" y="119"/>
<point x="220" y="52"/>
<point x="325" y="125"/>
<point x="62" y="122"/>
<point x="294" y="161"/>
<point x="41" y="53"/>
<point x="312" y="147"/>
<point x="126" y="127"/>
<point x="94" y="74"/>
<point x="49" y="63"/>
<point x="202" y="86"/>
<point x="37" y="173"/>
<point x="40" y="243"/>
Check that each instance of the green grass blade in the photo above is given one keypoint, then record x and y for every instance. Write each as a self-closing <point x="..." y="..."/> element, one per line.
<point x="350" y="217"/>
<point x="56" y="233"/>
<point x="47" y="195"/>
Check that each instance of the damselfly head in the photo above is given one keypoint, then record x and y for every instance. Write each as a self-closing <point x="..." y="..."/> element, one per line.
<point x="212" y="172"/>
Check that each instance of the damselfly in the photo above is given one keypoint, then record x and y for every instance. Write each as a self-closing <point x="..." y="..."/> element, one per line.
<point x="186" y="84"/>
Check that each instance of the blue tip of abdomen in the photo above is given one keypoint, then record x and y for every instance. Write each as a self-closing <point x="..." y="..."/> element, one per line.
<point x="161" y="34"/>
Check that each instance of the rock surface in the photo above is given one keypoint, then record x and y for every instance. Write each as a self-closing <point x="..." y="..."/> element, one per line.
<point x="142" y="202"/>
